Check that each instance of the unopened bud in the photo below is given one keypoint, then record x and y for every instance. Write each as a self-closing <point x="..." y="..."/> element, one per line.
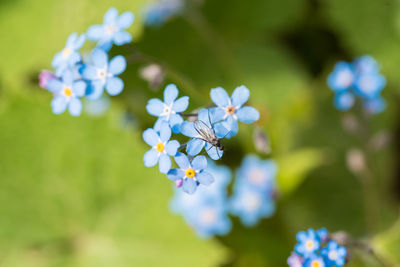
<point x="356" y="161"/>
<point x="178" y="183"/>
<point x="350" y="123"/>
<point x="261" y="141"/>
<point x="152" y="73"/>
<point x="380" y="140"/>
<point x="44" y="77"/>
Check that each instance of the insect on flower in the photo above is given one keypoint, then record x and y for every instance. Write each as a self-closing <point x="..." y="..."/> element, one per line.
<point x="208" y="134"/>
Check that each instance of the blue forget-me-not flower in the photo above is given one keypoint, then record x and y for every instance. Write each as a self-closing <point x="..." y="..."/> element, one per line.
<point x="103" y="74"/>
<point x="67" y="92"/>
<point x="334" y="254"/>
<point x="69" y="56"/>
<point x="169" y="109"/>
<point x="112" y="30"/>
<point x="308" y="242"/>
<point x="158" y="13"/>
<point x="191" y="172"/>
<point x="197" y="131"/>
<point x="231" y="109"/>
<point x="315" y="260"/>
<point x="162" y="148"/>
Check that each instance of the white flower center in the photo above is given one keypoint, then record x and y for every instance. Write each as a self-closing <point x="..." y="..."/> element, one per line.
<point x="167" y="111"/>
<point x="208" y="216"/>
<point x="110" y="30"/>
<point x="66" y="52"/>
<point x="257" y="176"/>
<point x="367" y="85"/>
<point x="102" y="74"/>
<point x="333" y="255"/>
<point x="345" y="78"/>
<point x="252" y="202"/>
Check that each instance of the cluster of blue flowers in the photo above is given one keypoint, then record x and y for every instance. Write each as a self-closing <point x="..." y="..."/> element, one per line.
<point x="76" y="76"/>
<point x="161" y="11"/>
<point x="206" y="131"/>
<point x="316" y="249"/>
<point x="359" y="79"/>
<point x="207" y="210"/>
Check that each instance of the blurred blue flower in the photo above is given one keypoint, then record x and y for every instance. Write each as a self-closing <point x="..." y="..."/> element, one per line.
<point x="254" y="189"/>
<point x="112" y="30"/>
<point x="315" y="260"/>
<point x="342" y="77"/>
<point x="323" y="235"/>
<point x="295" y="260"/>
<point x="375" y="105"/>
<point x="67" y="92"/>
<point x="196" y="129"/>
<point x="69" y="56"/>
<point x="97" y="107"/>
<point x="365" y="64"/>
<point x="344" y="101"/>
<point x="231" y="109"/>
<point x="161" y="149"/>
<point x="206" y="211"/>
<point x="169" y="109"/>
<point x="308" y="243"/>
<point x="191" y="172"/>
<point x="160" y="12"/>
<point x="334" y="254"/>
<point x="103" y="73"/>
<point x="369" y="85"/>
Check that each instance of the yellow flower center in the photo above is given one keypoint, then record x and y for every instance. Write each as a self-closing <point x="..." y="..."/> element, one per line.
<point x="160" y="147"/>
<point x="67" y="92"/>
<point x="316" y="263"/>
<point x="110" y="29"/>
<point x="230" y="110"/>
<point x="66" y="52"/>
<point x="190" y="173"/>
<point x="309" y="244"/>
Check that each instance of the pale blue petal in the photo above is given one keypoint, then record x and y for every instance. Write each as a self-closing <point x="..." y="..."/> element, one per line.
<point x="74" y="58"/>
<point x="189" y="186"/>
<point x="204" y="116"/>
<point x="175" y="122"/>
<point x="95" y="90"/>
<point x="240" y="96"/>
<point x="194" y="146"/>
<point x="79" y="88"/>
<point x="199" y="163"/>
<point x="75" y="107"/>
<point x="54" y="85"/>
<point x="122" y="37"/>
<point x="157" y="125"/>
<point x="170" y="94"/>
<point x="68" y="77"/>
<point x="233" y="126"/>
<point x="221" y="129"/>
<point x="248" y="114"/>
<point x="150" y="158"/>
<point x="125" y="20"/>
<point x="58" y="104"/>
<point x="172" y="147"/>
<point x="99" y="58"/>
<point x="105" y="44"/>
<point x="216" y="114"/>
<point x="164" y="164"/>
<point x="175" y="174"/>
<point x="187" y="129"/>
<point x="151" y="137"/>
<point x="96" y="32"/>
<point x="117" y="65"/>
<point x="79" y="43"/>
<point x="344" y="101"/>
<point x="165" y="132"/>
<point x="182" y="161"/>
<point x="220" y="97"/>
<point x="155" y="107"/>
<point x="71" y="40"/>
<point x="111" y="16"/>
<point x="57" y="60"/>
<point x="89" y="72"/>
<point x="181" y="104"/>
<point x="114" y="86"/>
<point x="205" y="178"/>
<point x="214" y="152"/>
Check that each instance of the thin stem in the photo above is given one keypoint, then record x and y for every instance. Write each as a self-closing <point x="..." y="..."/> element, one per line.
<point x="188" y="114"/>
<point x="182" y="147"/>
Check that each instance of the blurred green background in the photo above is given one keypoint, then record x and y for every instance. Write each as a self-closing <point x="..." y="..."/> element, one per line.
<point x="74" y="191"/>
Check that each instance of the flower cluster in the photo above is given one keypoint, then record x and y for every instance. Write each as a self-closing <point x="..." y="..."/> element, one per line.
<point x="316" y="249"/>
<point x="76" y="76"/>
<point x="206" y="131"/>
<point x="160" y="12"/>
<point x="361" y="79"/>
<point x="207" y="211"/>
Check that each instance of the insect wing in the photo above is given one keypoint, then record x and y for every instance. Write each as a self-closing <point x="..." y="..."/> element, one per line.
<point x="204" y="131"/>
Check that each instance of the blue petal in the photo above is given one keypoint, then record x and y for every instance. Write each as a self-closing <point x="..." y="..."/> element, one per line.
<point x="189" y="186"/>
<point x="214" y="152"/>
<point x="151" y="137"/>
<point x="89" y="72"/>
<point x="157" y="125"/>
<point x="221" y="129"/>
<point x="175" y="174"/>
<point x="96" y="90"/>
<point x="248" y="114"/>
<point x="187" y="129"/>
<point x="105" y="44"/>
<point x="96" y="32"/>
<point x="344" y="101"/>
<point x="165" y="132"/>
<point x="194" y="146"/>
<point x="181" y="104"/>
<point x="150" y="158"/>
<point x="57" y="60"/>
<point x="117" y="65"/>
<point x="155" y="107"/>
<point x="58" y="104"/>
<point x="375" y="105"/>
<point x="205" y="178"/>
<point x="170" y="94"/>
<point x="114" y="85"/>
<point x="204" y="116"/>
<point x="220" y="97"/>
<point x="175" y="122"/>
<point x="54" y="85"/>
<point x="199" y="163"/>
<point x="79" y="43"/>
<point x="79" y="88"/>
<point x="125" y="20"/>
<point x="122" y="37"/>
<point x="216" y="114"/>
<point x="182" y="161"/>
<point x="99" y="58"/>
<point x="240" y="96"/>
<point x="71" y="40"/>
<point x="233" y="127"/>
<point x="75" y="107"/>
<point x="68" y="77"/>
<point x="111" y="16"/>
<point x="172" y="147"/>
<point x="164" y="164"/>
